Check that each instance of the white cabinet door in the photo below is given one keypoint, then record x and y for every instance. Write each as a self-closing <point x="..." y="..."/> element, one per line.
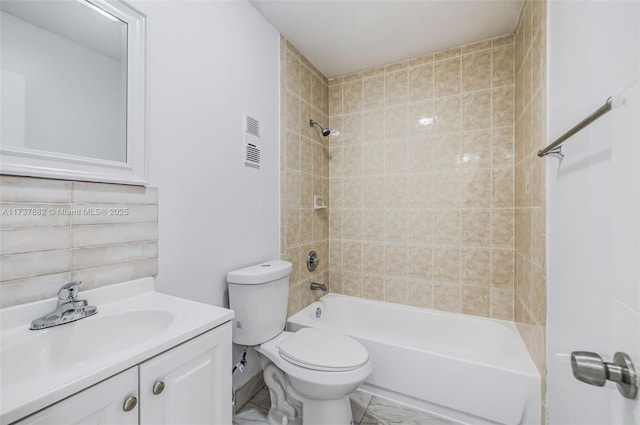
<point x="100" y="404"/>
<point x="197" y="382"/>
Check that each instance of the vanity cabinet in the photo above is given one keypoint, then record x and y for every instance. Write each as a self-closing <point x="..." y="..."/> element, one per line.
<point x="188" y="384"/>
<point x="99" y="404"/>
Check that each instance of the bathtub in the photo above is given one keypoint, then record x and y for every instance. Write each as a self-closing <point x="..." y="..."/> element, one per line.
<point x="467" y="369"/>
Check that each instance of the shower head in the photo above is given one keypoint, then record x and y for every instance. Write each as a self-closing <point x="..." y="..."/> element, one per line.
<point x="325" y="130"/>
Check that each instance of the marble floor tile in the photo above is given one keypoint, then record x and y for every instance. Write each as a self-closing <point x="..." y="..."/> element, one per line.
<point x="359" y="403"/>
<point x="251" y="414"/>
<point x="385" y="412"/>
<point x="366" y="408"/>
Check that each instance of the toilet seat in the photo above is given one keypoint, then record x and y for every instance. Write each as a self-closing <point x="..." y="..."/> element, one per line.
<point x="271" y="350"/>
<point x="322" y="350"/>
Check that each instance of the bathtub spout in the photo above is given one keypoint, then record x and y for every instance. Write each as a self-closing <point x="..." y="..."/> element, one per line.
<point x="316" y="286"/>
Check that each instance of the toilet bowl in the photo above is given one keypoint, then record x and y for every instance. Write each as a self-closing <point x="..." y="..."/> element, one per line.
<point x="309" y="373"/>
<point x="321" y="384"/>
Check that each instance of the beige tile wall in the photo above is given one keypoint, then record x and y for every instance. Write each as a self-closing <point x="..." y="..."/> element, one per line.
<point x="304" y="171"/>
<point x="530" y="219"/>
<point x="421" y="181"/>
<point x="55" y="231"/>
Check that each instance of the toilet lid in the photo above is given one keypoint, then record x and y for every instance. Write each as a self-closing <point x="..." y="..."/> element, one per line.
<point x="322" y="350"/>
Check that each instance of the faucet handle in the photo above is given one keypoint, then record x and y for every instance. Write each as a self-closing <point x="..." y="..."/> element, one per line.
<point x="69" y="291"/>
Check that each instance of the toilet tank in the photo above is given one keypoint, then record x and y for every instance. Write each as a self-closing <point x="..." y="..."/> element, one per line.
<point x="259" y="296"/>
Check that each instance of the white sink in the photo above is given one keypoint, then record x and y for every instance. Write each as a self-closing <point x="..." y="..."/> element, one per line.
<point x="55" y="350"/>
<point x="133" y="323"/>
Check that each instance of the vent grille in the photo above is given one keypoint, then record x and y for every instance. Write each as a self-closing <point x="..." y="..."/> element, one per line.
<point x="252" y="155"/>
<point x="251" y="141"/>
<point x="253" y="126"/>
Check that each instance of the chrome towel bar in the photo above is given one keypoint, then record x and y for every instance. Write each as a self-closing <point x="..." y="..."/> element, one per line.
<point x="555" y="148"/>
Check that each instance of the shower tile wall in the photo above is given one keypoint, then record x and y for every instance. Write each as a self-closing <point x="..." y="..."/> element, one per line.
<point x="421" y="181"/>
<point x="304" y="171"/>
<point x="530" y="205"/>
<point x="52" y="234"/>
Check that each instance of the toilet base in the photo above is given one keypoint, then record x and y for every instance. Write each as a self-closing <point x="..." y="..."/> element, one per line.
<point x="316" y="412"/>
<point x="285" y="410"/>
<point x="277" y="418"/>
<point x="327" y="412"/>
<point x="290" y="408"/>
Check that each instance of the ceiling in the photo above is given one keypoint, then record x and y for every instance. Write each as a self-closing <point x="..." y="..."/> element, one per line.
<point x="341" y="37"/>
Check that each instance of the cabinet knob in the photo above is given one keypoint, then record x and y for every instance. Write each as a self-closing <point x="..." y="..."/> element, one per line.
<point x="158" y="387"/>
<point x="130" y="404"/>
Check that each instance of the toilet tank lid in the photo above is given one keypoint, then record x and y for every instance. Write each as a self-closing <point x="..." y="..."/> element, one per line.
<point x="260" y="273"/>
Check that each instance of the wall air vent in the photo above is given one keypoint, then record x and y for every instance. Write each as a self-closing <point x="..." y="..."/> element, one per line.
<point x="253" y="126"/>
<point x="251" y="149"/>
<point x="252" y="154"/>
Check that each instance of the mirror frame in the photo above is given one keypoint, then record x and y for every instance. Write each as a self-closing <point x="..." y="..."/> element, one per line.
<point x="37" y="163"/>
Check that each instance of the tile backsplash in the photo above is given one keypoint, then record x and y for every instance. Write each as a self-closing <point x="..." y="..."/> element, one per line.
<point x="421" y="189"/>
<point x="56" y="231"/>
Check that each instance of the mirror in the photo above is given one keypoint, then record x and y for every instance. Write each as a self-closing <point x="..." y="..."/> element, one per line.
<point x="73" y="101"/>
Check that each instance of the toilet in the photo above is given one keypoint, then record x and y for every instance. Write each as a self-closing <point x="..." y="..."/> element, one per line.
<point x="310" y="373"/>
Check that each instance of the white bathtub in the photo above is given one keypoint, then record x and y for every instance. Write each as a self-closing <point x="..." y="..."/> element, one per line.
<point x="465" y="368"/>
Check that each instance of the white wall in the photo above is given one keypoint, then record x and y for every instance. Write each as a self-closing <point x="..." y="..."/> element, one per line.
<point x="63" y="97"/>
<point x="593" y="205"/>
<point x="210" y="62"/>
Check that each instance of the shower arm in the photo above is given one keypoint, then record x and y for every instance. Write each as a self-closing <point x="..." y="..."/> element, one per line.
<point x="325" y="130"/>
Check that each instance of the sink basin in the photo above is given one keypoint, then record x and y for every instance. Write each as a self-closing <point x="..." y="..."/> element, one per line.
<point x="55" y="350"/>
<point x="133" y="324"/>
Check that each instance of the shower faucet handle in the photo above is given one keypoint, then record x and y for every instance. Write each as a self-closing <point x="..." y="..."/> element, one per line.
<point x="312" y="261"/>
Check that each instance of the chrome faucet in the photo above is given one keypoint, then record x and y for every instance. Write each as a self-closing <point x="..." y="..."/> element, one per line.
<point x="315" y="286"/>
<point x="69" y="308"/>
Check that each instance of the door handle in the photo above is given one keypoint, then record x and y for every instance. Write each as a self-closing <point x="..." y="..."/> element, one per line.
<point x="591" y="369"/>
